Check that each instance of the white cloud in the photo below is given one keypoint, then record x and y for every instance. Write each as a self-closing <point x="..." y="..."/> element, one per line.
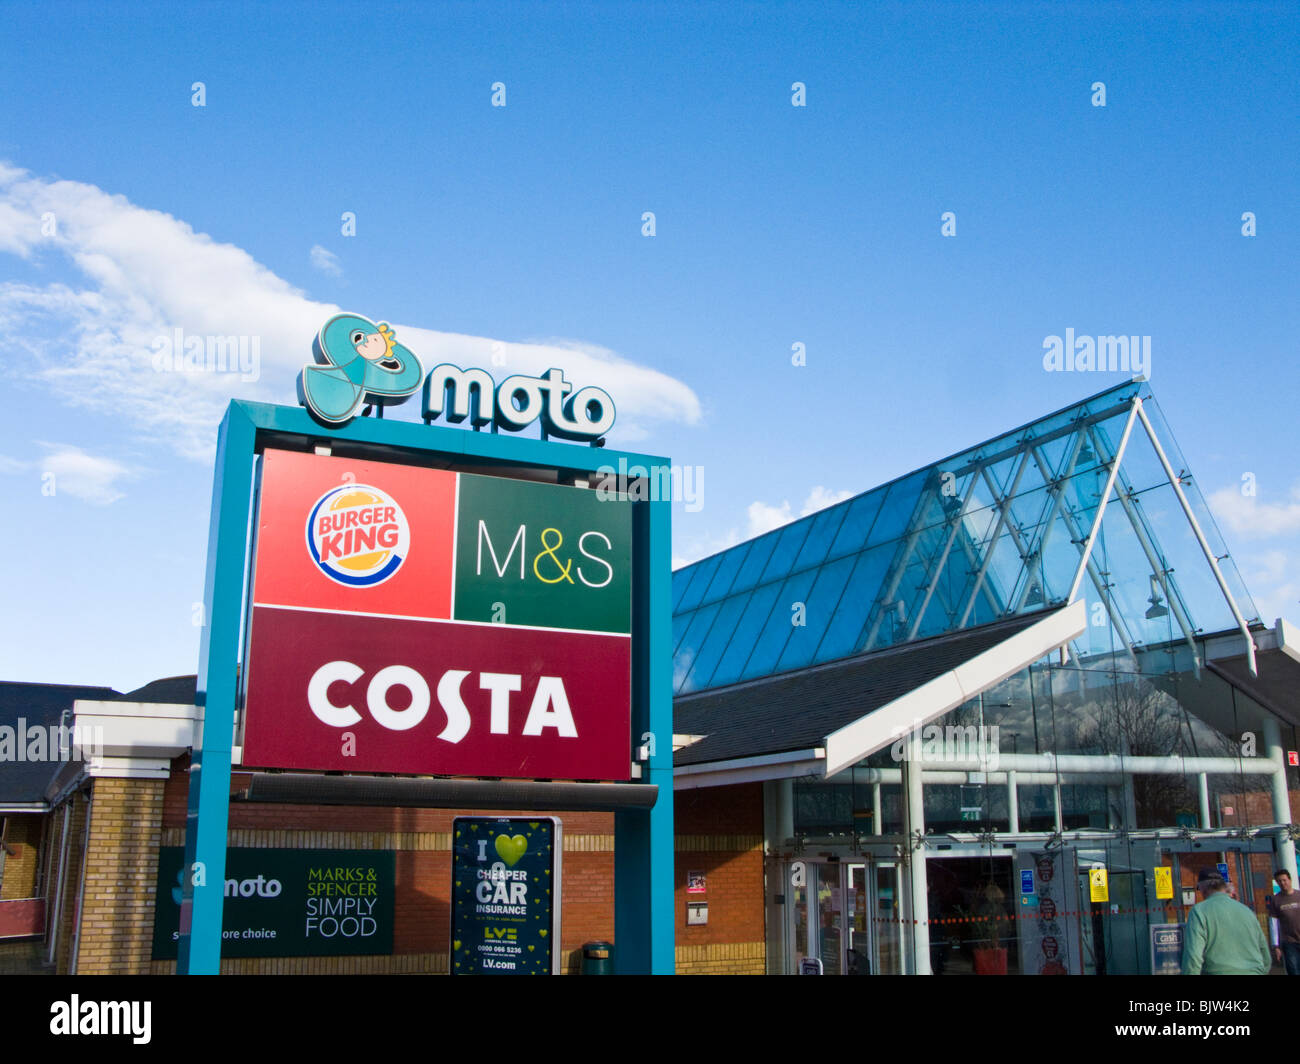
<point x="68" y="470"/>
<point x="763" y="517"/>
<point x="1270" y="571"/>
<point x="1274" y="582"/>
<point x="146" y="273"/>
<point x="326" y="261"/>
<point x="760" y="517"/>
<point x="1247" y="515"/>
<point x="820" y="498"/>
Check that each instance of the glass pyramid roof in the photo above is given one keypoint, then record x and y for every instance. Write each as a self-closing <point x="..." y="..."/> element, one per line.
<point x="995" y="531"/>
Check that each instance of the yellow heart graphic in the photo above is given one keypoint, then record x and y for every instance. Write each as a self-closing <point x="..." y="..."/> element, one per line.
<point x="511" y="849"/>
<point x="531" y="948"/>
<point x="456" y="945"/>
<point x="542" y="932"/>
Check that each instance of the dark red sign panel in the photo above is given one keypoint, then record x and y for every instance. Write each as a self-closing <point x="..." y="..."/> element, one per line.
<point x="374" y="694"/>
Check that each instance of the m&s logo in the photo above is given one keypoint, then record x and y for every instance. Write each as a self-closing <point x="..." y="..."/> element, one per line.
<point x="549" y="565"/>
<point x="357" y="535"/>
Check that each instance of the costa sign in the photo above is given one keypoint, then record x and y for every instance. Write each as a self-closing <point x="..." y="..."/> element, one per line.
<point x="359" y="361"/>
<point x="418" y="620"/>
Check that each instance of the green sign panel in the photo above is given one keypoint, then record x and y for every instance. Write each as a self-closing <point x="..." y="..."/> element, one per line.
<point x="542" y="555"/>
<point x="505" y="895"/>
<point x="289" y="903"/>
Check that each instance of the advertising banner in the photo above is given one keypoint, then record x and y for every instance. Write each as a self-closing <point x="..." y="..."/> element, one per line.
<point x="1166" y="949"/>
<point x="422" y="621"/>
<point x="505" y="895"/>
<point x="289" y="903"/>
<point x="1049" y="929"/>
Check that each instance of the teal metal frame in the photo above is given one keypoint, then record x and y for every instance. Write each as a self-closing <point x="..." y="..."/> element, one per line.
<point x="643" y="839"/>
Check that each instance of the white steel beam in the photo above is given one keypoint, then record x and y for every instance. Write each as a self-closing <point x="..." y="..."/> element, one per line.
<point x="1200" y="536"/>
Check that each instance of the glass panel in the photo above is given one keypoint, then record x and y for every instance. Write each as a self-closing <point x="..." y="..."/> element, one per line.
<point x="727" y="569"/>
<point x="752" y="568"/>
<point x="768" y="647"/>
<point x="681" y="581"/>
<point x="716" y="643"/>
<point x="758" y="604"/>
<point x="799" y="930"/>
<point x="695" y="593"/>
<point x="823" y="530"/>
<point x="819" y="611"/>
<point x="787" y="549"/>
<point x="889" y="921"/>
<point x="852" y="535"/>
<point x="898" y="507"/>
<point x="690" y="644"/>
<point x="843" y="634"/>
<point x="681" y="621"/>
<point x="830" y="911"/>
<point x="857" y="921"/>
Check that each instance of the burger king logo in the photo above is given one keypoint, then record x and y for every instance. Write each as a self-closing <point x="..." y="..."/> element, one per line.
<point x="357" y="535"/>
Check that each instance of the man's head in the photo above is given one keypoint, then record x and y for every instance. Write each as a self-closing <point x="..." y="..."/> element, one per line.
<point x="1210" y="882"/>
<point x="1283" y="879"/>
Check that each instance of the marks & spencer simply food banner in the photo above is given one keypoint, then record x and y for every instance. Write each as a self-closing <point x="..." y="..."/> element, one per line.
<point x="289" y="903"/>
<point x="423" y="621"/>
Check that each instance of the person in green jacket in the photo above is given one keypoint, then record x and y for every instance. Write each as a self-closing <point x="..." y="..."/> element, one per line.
<point x="1223" y="937"/>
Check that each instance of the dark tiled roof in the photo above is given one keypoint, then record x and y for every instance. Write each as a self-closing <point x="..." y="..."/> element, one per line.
<point x="798" y="710"/>
<point x="37" y="705"/>
<point x="174" y="690"/>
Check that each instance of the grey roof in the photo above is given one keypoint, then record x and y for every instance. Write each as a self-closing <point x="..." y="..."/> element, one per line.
<point x="36" y="705"/>
<point x="797" y="711"/>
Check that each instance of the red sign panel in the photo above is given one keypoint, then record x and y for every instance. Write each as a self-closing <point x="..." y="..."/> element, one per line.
<point x="342" y="534"/>
<point x="354" y="663"/>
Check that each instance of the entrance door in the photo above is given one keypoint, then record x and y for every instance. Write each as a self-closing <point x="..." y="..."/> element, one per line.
<point x="847" y="916"/>
<point x="817" y="917"/>
<point x="874" y="944"/>
<point x="886" y="899"/>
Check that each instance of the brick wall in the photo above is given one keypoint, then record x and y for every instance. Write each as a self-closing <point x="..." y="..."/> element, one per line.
<point x="719" y="833"/>
<point x="121" y="874"/>
<point x="422" y="841"/>
<point x="23" y="836"/>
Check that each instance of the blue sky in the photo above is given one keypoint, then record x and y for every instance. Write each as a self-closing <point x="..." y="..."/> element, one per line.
<point x="522" y="226"/>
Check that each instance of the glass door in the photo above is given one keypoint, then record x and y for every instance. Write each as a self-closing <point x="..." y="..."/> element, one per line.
<point x="859" y="959"/>
<point x="818" y="928"/>
<point x="888" y="919"/>
<point x="830" y="917"/>
<point x="847" y="916"/>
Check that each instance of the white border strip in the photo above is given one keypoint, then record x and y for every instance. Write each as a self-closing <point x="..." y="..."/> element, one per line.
<point x="439" y="620"/>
